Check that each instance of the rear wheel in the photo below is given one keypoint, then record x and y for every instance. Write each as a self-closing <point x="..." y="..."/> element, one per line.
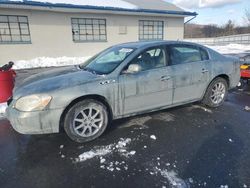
<point x="216" y="93"/>
<point x="86" y="120"/>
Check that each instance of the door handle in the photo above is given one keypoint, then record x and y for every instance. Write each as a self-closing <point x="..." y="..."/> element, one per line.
<point x="165" y="78"/>
<point x="204" y="70"/>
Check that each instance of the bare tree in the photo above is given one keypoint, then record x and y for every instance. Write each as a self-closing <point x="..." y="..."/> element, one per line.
<point x="211" y="30"/>
<point x="229" y="28"/>
<point x="247" y="16"/>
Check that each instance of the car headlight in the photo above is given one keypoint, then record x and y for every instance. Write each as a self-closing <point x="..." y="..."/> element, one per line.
<point x="32" y="102"/>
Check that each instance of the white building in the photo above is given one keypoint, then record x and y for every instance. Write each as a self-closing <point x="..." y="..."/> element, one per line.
<point x="77" y="28"/>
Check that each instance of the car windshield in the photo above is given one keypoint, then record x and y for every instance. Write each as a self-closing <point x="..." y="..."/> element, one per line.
<point x="106" y="61"/>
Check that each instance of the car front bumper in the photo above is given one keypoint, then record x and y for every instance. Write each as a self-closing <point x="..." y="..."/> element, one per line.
<point x="37" y="122"/>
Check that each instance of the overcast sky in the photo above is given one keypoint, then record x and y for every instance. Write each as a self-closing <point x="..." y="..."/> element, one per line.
<point x="215" y="11"/>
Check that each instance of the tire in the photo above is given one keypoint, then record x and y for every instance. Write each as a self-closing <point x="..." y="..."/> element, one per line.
<point x="210" y="96"/>
<point x="86" y="120"/>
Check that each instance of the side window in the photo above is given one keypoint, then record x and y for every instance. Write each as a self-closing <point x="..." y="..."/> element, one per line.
<point x="204" y="54"/>
<point x="150" y="59"/>
<point x="180" y="54"/>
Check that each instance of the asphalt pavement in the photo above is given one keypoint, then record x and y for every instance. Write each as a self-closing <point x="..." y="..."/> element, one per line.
<point x="186" y="146"/>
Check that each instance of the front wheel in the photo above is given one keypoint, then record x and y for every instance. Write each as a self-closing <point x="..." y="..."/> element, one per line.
<point x="216" y="93"/>
<point x="86" y="120"/>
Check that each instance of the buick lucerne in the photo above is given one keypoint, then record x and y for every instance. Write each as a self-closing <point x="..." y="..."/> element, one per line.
<point x="121" y="81"/>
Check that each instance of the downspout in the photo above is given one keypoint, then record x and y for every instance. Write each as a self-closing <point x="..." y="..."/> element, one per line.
<point x="190" y="19"/>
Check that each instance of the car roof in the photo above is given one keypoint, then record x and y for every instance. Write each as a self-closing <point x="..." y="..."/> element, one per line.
<point x="145" y="44"/>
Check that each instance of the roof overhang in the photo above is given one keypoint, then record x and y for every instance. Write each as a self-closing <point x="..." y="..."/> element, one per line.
<point x="30" y="5"/>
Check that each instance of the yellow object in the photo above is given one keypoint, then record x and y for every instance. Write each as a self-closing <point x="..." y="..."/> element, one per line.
<point x="244" y="66"/>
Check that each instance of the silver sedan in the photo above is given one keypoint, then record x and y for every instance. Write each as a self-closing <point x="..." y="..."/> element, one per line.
<point x="123" y="80"/>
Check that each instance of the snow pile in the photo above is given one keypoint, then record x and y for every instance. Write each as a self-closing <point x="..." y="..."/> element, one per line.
<point x="224" y="186"/>
<point x="231" y="48"/>
<point x="172" y="178"/>
<point x="61" y="151"/>
<point x="100" y="152"/>
<point x="247" y="108"/>
<point x="62" y="156"/>
<point x="98" y="3"/>
<point x="49" y="62"/>
<point x="111" y="166"/>
<point x="3" y="107"/>
<point x="93" y="153"/>
<point x="120" y="147"/>
<point x="153" y="137"/>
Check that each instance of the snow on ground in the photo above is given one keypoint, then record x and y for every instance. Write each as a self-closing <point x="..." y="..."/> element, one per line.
<point x="3" y="107"/>
<point x="224" y="186"/>
<point x="48" y="62"/>
<point x="120" y="147"/>
<point x="153" y="137"/>
<point x="104" y="157"/>
<point x="173" y="178"/>
<point x="247" y="108"/>
<point x="231" y="48"/>
<point x="98" y="3"/>
<point x="93" y="153"/>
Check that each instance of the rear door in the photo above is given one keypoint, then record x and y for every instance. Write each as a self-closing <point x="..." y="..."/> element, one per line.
<point x="191" y="71"/>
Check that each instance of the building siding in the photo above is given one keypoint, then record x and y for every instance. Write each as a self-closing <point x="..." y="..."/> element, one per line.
<point x="51" y="34"/>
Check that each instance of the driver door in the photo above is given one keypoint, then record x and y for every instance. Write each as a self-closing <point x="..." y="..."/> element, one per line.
<point x="149" y="88"/>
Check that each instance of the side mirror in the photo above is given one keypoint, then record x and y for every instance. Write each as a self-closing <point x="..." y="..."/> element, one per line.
<point x="133" y="68"/>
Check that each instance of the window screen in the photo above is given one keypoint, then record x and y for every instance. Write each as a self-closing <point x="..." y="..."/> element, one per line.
<point x="150" y="30"/>
<point x="14" y="29"/>
<point x="88" y="29"/>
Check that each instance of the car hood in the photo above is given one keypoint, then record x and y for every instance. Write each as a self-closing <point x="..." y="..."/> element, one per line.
<point x="54" y="79"/>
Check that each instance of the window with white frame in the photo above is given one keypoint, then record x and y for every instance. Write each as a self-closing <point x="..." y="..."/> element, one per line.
<point x="14" y="29"/>
<point x="88" y="29"/>
<point x="151" y="30"/>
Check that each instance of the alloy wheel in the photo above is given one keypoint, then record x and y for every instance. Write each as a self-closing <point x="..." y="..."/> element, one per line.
<point x="218" y="93"/>
<point x="88" y="122"/>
